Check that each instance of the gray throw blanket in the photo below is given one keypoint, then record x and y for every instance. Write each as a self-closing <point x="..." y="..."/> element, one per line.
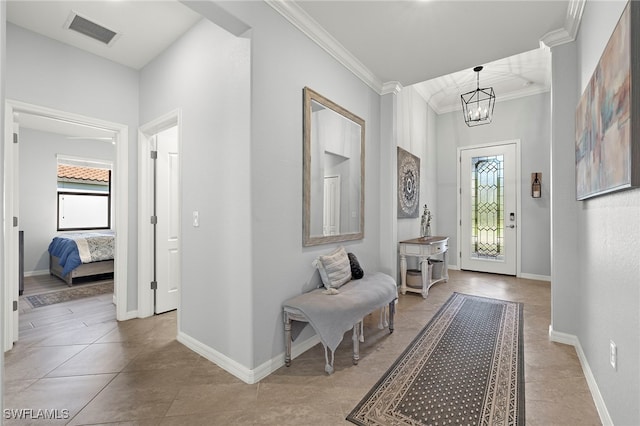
<point x="332" y="315"/>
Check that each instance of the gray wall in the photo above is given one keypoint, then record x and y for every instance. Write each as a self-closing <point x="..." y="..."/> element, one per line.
<point x="608" y="272"/>
<point x="44" y="72"/>
<point x="417" y="134"/>
<point x="527" y="119"/>
<point x="283" y="61"/>
<point x="38" y="187"/>
<point x="206" y="74"/>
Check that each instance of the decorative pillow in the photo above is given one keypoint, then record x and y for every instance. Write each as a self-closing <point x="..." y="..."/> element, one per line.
<point x="356" y="270"/>
<point x="334" y="268"/>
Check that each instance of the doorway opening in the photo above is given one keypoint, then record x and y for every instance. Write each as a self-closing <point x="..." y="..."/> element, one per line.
<point x="159" y="220"/>
<point x="14" y="112"/>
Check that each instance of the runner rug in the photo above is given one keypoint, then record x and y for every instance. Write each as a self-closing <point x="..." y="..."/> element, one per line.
<point x="69" y="294"/>
<point x="465" y="367"/>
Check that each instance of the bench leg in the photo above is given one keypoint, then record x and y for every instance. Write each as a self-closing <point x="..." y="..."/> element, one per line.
<point x="356" y="343"/>
<point x="392" y="311"/>
<point x="287" y="340"/>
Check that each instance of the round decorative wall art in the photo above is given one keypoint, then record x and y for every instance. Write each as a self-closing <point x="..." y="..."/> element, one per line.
<point x="408" y="184"/>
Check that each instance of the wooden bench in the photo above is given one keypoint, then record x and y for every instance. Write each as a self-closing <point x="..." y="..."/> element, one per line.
<point x="331" y="315"/>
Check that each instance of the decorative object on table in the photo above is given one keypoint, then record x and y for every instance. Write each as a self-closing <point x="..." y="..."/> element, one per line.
<point x="465" y="367"/>
<point x="408" y="184"/>
<point x="607" y="146"/>
<point x="477" y="105"/>
<point x="536" y="185"/>
<point x="425" y="223"/>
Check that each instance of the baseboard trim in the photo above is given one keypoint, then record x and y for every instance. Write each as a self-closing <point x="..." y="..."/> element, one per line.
<point x="243" y="373"/>
<point x="535" y="277"/>
<point x="570" y="339"/>
<point x="453" y="267"/>
<point x="266" y="368"/>
<point x="128" y="314"/>
<point x="36" y="273"/>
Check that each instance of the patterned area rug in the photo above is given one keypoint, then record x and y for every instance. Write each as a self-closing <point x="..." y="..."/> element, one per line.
<point x="465" y="367"/>
<point x="72" y="293"/>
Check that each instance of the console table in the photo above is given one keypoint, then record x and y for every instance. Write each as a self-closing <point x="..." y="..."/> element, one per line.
<point x="423" y="248"/>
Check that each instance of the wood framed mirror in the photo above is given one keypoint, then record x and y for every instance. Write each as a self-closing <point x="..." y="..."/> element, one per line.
<point x="333" y="183"/>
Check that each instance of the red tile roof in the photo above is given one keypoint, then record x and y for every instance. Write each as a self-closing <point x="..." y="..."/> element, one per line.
<point x="83" y="173"/>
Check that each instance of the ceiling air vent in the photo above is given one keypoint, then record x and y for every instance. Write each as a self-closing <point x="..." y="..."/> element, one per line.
<point x="89" y="28"/>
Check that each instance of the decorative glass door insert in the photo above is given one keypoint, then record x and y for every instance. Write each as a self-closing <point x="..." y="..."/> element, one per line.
<point x="487" y="212"/>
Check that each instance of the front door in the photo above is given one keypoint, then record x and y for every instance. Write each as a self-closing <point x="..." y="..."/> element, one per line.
<point x="488" y="201"/>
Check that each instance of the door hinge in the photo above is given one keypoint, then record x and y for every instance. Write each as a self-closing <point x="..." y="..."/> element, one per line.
<point x="460" y="222"/>
<point x="15" y="305"/>
<point x="154" y="155"/>
<point x="154" y="285"/>
<point x="460" y="254"/>
<point x="154" y="220"/>
<point x="15" y="138"/>
<point x="15" y="222"/>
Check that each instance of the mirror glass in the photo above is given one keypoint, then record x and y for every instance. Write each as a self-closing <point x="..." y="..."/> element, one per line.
<point x="333" y="172"/>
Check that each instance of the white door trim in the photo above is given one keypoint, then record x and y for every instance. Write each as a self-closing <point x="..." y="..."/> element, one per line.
<point x="518" y="198"/>
<point x="120" y="178"/>
<point x="145" y="199"/>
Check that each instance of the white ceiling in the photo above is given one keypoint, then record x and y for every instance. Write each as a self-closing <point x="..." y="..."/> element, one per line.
<point x="433" y="43"/>
<point x="414" y="41"/>
<point x="146" y="28"/>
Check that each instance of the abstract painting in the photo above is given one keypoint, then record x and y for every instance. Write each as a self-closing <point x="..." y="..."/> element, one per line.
<point x="605" y="149"/>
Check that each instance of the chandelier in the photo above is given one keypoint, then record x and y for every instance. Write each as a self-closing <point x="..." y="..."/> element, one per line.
<point x="477" y="105"/>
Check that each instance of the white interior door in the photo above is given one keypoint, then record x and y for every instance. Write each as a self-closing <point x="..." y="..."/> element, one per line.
<point x="488" y="202"/>
<point x="168" y="220"/>
<point x="331" y="216"/>
<point x="11" y="218"/>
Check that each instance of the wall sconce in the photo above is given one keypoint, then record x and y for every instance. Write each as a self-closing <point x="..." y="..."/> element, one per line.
<point x="536" y="185"/>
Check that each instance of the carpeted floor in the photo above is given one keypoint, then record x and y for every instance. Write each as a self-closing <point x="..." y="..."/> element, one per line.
<point x="464" y="367"/>
<point x="68" y="294"/>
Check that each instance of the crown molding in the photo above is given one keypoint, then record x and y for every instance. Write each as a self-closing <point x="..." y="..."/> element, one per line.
<point x="391" y="87"/>
<point x="571" y="26"/>
<point x="310" y="27"/>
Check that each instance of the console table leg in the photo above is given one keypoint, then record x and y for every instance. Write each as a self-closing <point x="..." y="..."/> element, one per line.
<point x="287" y="340"/>
<point x="424" y="266"/>
<point x="356" y="343"/>
<point x="403" y="274"/>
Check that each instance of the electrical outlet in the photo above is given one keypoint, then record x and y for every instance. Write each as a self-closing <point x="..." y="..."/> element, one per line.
<point x="196" y="219"/>
<point x="613" y="354"/>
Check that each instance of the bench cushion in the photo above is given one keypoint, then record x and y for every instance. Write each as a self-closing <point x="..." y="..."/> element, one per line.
<point x="332" y="315"/>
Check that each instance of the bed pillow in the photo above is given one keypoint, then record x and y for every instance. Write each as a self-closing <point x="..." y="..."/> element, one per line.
<point x="334" y="268"/>
<point x="356" y="270"/>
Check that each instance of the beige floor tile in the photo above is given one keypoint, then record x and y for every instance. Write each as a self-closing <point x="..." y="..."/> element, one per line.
<point x="36" y="362"/>
<point x="63" y="395"/>
<point x="100" y="358"/>
<point x="161" y="382"/>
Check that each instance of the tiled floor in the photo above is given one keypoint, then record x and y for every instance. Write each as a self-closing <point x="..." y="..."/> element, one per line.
<point x="136" y="373"/>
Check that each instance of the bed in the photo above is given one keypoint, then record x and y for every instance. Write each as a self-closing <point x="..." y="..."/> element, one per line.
<point x="81" y="254"/>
